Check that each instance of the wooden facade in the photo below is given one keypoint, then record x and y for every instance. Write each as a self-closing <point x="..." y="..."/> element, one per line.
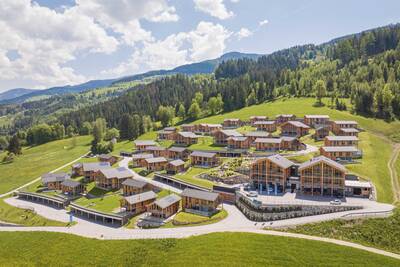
<point x="133" y="186"/>
<point x="188" y="128"/>
<point x="157" y="151"/>
<point x="138" y="203"/>
<point x="232" y="123"/>
<point x="200" y="201"/>
<point x="72" y="187"/>
<point x="282" y="118"/>
<point x="322" y="176"/>
<point x="316" y="120"/>
<point x="341" y="141"/>
<point x="268" y="144"/>
<point x="108" y="158"/>
<point x="347" y="132"/>
<point x="141" y="145"/>
<point x="208" y="128"/>
<point x="267" y="126"/>
<point x="339" y="152"/>
<point x="156" y="164"/>
<point x="321" y="132"/>
<point x="186" y="138"/>
<point x="221" y="136"/>
<point x="138" y="160"/>
<point x="337" y="125"/>
<point x="175" y="166"/>
<point x="112" y="178"/>
<point x="204" y="159"/>
<point x="241" y="142"/>
<point x="178" y="153"/>
<point x="165" y="207"/>
<point x="253" y="119"/>
<point x="294" y="128"/>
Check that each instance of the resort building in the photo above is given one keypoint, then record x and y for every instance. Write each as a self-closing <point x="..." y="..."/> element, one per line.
<point x="166" y="135"/>
<point x="91" y="169"/>
<point x="341" y="141"/>
<point x="176" y="152"/>
<point x="232" y="123"/>
<point x="347" y="153"/>
<point x="141" y="145"/>
<point x="204" y="159"/>
<point x="53" y="180"/>
<point x="321" y="132"/>
<point x="137" y="204"/>
<point x="221" y="136"/>
<point x="257" y="134"/>
<point x="240" y="142"/>
<point x="322" y="176"/>
<point x="188" y="128"/>
<point x="294" y="128"/>
<point x="157" y="151"/>
<point x="282" y="118"/>
<point x="135" y="186"/>
<point x="77" y="169"/>
<point x="164" y="207"/>
<point x="291" y="143"/>
<point x="200" y="202"/>
<point x="271" y="173"/>
<point x="347" y="132"/>
<point x="357" y="188"/>
<point x="155" y="164"/>
<point x="267" y="126"/>
<point x="253" y="119"/>
<point x="72" y="187"/>
<point x="337" y="125"/>
<point x="268" y="144"/>
<point x="175" y="166"/>
<point x="208" y="128"/>
<point x="108" y="158"/>
<point x="316" y="120"/>
<point x="112" y="178"/>
<point x="186" y="138"/>
<point x="138" y="160"/>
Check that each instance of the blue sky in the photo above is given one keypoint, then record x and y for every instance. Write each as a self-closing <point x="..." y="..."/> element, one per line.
<point x="46" y="43"/>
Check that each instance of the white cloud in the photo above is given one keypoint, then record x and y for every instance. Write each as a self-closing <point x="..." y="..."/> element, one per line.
<point x="215" y="8"/>
<point x="243" y="33"/>
<point x="205" y="42"/>
<point x="263" y="22"/>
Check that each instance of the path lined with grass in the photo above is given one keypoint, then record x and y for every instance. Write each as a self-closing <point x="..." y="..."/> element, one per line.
<point x="394" y="168"/>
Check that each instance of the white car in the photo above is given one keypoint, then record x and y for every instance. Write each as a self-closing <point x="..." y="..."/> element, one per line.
<point x="336" y="202"/>
<point x="252" y="194"/>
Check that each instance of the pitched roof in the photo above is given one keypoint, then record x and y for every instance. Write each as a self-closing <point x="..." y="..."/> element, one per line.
<point x="284" y="115"/>
<point x="54" y="177"/>
<point x="105" y="156"/>
<point x="177" y="149"/>
<point x="141" y="197"/>
<point x="316" y="116"/>
<point x="231" y="133"/>
<point x="340" y="148"/>
<point x="203" y="154"/>
<point x="345" y="122"/>
<point x="156" y="148"/>
<point x="169" y="129"/>
<point x="257" y="134"/>
<point x="156" y="160"/>
<point x="177" y="162"/>
<point x="357" y="184"/>
<point x="134" y="183"/>
<point x="188" y="134"/>
<point x="288" y="138"/>
<point x="142" y="156"/>
<point x="71" y="183"/>
<point x="280" y="161"/>
<point x="258" y="117"/>
<point x="119" y="173"/>
<point x="324" y="159"/>
<point x="268" y="140"/>
<point x="144" y="143"/>
<point x="199" y="194"/>
<point x="297" y="124"/>
<point x="264" y="122"/>
<point x="167" y="201"/>
<point x="341" y="138"/>
<point x="95" y="166"/>
<point x="349" y="130"/>
<point x="238" y="138"/>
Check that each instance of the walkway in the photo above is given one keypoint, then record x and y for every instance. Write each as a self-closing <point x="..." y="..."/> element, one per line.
<point x="393" y="173"/>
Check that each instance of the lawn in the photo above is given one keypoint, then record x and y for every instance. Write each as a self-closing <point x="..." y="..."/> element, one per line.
<point x="108" y="203"/>
<point x="381" y="233"/>
<point x="220" y="249"/>
<point x="188" y="219"/>
<point x="189" y="177"/>
<point x="206" y="143"/>
<point x="38" y="160"/>
<point x="24" y="217"/>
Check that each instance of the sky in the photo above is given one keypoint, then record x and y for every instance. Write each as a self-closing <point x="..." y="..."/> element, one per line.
<point x="45" y="43"/>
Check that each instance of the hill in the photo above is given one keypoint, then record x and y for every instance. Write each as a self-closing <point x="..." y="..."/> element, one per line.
<point x="14" y="93"/>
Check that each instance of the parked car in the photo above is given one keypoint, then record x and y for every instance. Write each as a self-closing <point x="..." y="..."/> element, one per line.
<point x="252" y="194"/>
<point x="336" y="202"/>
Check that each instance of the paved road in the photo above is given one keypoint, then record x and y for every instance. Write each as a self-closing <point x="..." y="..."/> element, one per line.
<point x="125" y="163"/>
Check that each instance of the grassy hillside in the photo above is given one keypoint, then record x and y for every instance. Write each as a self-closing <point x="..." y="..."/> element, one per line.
<point x="38" y="160"/>
<point x="207" y="250"/>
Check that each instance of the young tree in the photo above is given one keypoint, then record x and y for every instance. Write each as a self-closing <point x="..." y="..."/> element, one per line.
<point x="86" y="128"/>
<point x="147" y="124"/>
<point x="126" y="127"/>
<point x="111" y="134"/>
<point x="165" y="115"/>
<point x="198" y="97"/>
<point x="14" y="145"/>
<point x="3" y="143"/>
<point x="70" y="131"/>
<point x="320" y="91"/>
<point x="137" y="128"/>
<point x="99" y="129"/>
<point x="194" y="110"/>
<point x="181" y="111"/>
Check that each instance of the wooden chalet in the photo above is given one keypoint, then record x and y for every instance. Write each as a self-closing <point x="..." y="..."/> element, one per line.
<point x="347" y="153"/>
<point x="141" y="145"/>
<point x="204" y="159"/>
<point x="341" y="141"/>
<point x="316" y="120"/>
<point x="186" y="138"/>
<point x="138" y="160"/>
<point x="232" y="123"/>
<point x="137" y="204"/>
<point x="108" y="158"/>
<point x="268" y="144"/>
<point x="291" y="143"/>
<point x="347" y="132"/>
<point x="357" y="188"/>
<point x="176" y="152"/>
<point x="157" y="151"/>
<point x="72" y="187"/>
<point x="267" y="126"/>
<point x="155" y="164"/>
<point x="113" y="178"/>
<point x="338" y="125"/>
<point x="322" y="176"/>
<point x="294" y="128"/>
<point x="175" y="166"/>
<point x="164" y="207"/>
<point x="221" y="136"/>
<point x="91" y="169"/>
<point x="208" y="128"/>
<point x="257" y="134"/>
<point x="77" y="169"/>
<point x="134" y="186"/>
<point x="321" y="132"/>
<point x="238" y="142"/>
<point x="253" y="119"/>
<point x="166" y="135"/>
<point x="271" y="172"/>
<point x="200" y="202"/>
<point x="53" y="181"/>
<point x="282" y="118"/>
<point x="188" y="128"/>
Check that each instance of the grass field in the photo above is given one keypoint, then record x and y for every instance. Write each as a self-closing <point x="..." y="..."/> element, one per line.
<point x="221" y="249"/>
<point x="188" y="219"/>
<point x="382" y="233"/>
<point x="189" y="177"/>
<point x="108" y="203"/>
<point x="38" y="160"/>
